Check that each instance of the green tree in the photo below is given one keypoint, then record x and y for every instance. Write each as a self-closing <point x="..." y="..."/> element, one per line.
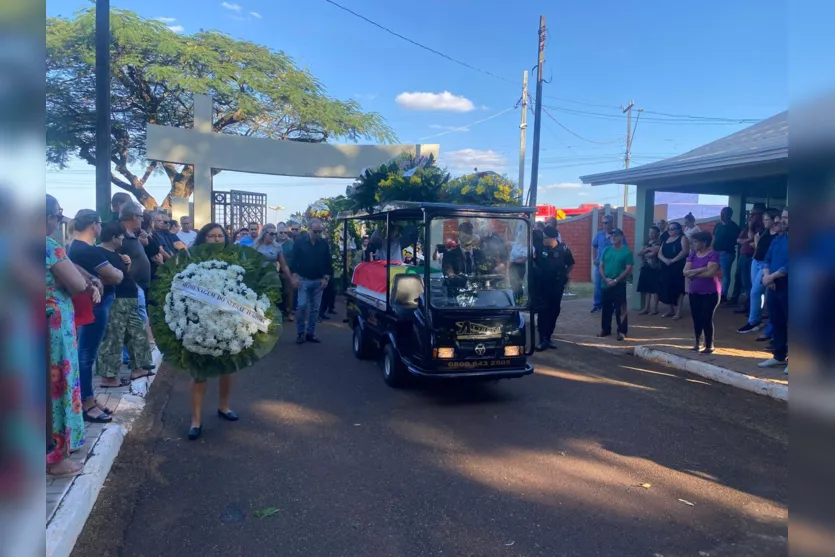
<point x="257" y="92"/>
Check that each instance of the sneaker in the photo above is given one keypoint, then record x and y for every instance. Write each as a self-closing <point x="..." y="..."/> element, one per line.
<point x="552" y="345"/>
<point x="621" y="336"/>
<point x="595" y="309"/>
<point x="543" y="345"/>
<point x="300" y="339"/>
<point x="772" y="362"/>
<point x="748" y="328"/>
<point x="312" y="338"/>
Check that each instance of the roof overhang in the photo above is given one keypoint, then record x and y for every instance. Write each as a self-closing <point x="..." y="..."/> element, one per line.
<point x="758" y="150"/>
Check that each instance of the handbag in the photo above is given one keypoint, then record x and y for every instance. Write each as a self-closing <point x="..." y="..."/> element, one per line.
<point x="83" y="309"/>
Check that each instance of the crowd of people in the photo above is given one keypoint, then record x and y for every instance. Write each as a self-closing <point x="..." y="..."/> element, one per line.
<point x="686" y="260"/>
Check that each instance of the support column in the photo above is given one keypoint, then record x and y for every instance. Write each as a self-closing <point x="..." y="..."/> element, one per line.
<point x="595" y="219"/>
<point x="203" y="117"/>
<point x="644" y="218"/>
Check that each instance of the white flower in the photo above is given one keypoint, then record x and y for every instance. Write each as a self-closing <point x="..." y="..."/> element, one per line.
<point x="204" y="328"/>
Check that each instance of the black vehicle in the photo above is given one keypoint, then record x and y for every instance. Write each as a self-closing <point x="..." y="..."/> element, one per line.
<point x="468" y="322"/>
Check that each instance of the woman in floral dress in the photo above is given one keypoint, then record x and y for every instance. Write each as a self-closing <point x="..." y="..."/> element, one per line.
<point x="63" y="281"/>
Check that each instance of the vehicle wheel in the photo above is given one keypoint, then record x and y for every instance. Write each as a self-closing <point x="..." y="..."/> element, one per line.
<point x="360" y="345"/>
<point x="394" y="372"/>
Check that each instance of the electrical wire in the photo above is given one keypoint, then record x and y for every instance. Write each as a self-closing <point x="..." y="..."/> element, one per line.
<point x="417" y="44"/>
<point x="574" y="133"/>
<point x="467" y="126"/>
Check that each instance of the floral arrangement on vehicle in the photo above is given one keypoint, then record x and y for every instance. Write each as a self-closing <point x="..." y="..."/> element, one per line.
<point x="318" y="210"/>
<point x="215" y="310"/>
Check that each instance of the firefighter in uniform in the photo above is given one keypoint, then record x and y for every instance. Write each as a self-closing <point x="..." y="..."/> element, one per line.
<point x="552" y="266"/>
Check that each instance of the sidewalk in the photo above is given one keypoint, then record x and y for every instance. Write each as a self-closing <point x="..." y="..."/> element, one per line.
<point x="668" y="342"/>
<point x="69" y="501"/>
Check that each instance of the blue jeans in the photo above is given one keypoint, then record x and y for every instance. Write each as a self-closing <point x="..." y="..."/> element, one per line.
<point x="726" y="262"/>
<point x="598" y="286"/>
<point x="744" y="273"/>
<point x="755" y="314"/>
<point x="89" y="339"/>
<point x="309" y="297"/>
<point x="142" y="310"/>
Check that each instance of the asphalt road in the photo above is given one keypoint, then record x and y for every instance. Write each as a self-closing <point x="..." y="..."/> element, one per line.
<point x="551" y="464"/>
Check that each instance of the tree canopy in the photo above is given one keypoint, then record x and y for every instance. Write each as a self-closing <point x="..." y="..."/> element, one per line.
<point x="257" y="92"/>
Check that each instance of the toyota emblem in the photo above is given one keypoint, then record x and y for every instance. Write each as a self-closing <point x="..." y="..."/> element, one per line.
<point x="480" y="349"/>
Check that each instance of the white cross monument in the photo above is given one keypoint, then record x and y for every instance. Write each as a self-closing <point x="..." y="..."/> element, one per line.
<point x="206" y="150"/>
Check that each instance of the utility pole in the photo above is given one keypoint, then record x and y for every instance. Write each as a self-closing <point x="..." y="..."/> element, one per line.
<point x="103" y="108"/>
<point x="523" y="130"/>
<point x="630" y="134"/>
<point x="537" y="121"/>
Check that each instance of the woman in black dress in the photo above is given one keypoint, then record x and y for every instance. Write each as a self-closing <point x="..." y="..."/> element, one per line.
<point x="648" y="280"/>
<point x="673" y="258"/>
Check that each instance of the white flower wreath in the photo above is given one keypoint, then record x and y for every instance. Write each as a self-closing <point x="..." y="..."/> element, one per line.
<point x="205" y="328"/>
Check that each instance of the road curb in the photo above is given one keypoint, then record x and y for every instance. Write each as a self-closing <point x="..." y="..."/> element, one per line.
<point x="75" y="507"/>
<point x="715" y="373"/>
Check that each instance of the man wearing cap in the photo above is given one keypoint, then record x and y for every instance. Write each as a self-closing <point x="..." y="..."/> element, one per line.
<point x="601" y="241"/>
<point x="552" y="265"/>
<point x="615" y="267"/>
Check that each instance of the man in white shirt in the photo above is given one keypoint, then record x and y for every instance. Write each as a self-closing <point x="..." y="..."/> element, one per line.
<point x="186" y="234"/>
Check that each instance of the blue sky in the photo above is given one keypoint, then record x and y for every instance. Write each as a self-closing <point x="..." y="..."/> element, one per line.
<point x="713" y="58"/>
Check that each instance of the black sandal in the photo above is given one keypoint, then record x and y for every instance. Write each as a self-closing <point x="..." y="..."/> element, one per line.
<point x="146" y="374"/>
<point x="100" y="419"/>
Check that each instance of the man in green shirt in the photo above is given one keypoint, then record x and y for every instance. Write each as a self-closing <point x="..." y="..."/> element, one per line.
<point x="616" y="264"/>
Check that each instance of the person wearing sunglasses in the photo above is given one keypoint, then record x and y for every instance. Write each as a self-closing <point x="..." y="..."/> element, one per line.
<point x="312" y="268"/>
<point x="673" y="258"/>
<point x="84" y="253"/>
<point x="267" y="245"/>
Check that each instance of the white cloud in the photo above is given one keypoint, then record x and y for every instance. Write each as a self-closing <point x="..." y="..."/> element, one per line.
<point x="167" y="19"/>
<point x="434" y="101"/>
<point x="255" y="14"/>
<point x="562" y="186"/>
<point x="233" y="7"/>
<point x="449" y="128"/>
<point x="177" y="28"/>
<point x="467" y="159"/>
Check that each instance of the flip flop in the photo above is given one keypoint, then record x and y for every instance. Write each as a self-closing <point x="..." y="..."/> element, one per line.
<point x="146" y="374"/>
<point x="122" y="383"/>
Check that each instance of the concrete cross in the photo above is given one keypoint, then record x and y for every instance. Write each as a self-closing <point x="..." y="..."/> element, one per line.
<point x="206" y="150"/>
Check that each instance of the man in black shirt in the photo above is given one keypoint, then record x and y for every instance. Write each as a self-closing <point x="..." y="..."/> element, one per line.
<point x="312" y="267"/>
<point x="466" y="258"/>
<point x="552" y="266"/>
<point x="119" y="200"/>
<point x="725" y="234"/>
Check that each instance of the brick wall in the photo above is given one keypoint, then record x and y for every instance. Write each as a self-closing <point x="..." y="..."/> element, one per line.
<point x="576" y="233"/>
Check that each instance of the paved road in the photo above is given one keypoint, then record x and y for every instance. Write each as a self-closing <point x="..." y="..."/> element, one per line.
<point x="547" y="465"/>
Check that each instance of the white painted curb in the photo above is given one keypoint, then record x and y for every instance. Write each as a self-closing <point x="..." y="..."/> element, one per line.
<point x="715" y="373"/>
<point x="71" y="515"/>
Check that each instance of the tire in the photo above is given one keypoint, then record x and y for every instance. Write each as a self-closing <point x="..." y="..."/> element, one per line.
<point x="360" y="344"/>
<point x="394" y="372"/>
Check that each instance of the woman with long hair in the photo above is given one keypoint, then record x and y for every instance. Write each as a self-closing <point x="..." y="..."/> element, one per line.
<point x="62" y="281"/>
<point x="267" y="245"/>
<point x="702" y="268"/>
<point x="672" y="255"/>
<point x="212" y="233"/>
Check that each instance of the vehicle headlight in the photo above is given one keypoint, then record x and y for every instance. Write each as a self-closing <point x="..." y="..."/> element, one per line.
<point x="444" y="353"/>
<point x="511" y="351"/>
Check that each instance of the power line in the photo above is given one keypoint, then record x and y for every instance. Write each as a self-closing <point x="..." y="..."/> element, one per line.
<point x="668" y="119"/>
<point x="417" y="44"/>
<point x="467" y="126"/>
<point x="576" y="134"/>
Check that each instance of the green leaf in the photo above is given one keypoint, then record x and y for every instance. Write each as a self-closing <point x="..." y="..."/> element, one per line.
<point x="265" y="513"/>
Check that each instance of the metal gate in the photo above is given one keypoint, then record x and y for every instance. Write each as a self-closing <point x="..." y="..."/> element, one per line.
<point x="238" y="208"/>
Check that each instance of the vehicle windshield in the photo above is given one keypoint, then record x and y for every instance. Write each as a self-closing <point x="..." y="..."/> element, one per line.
<point x="478" y="262"/>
